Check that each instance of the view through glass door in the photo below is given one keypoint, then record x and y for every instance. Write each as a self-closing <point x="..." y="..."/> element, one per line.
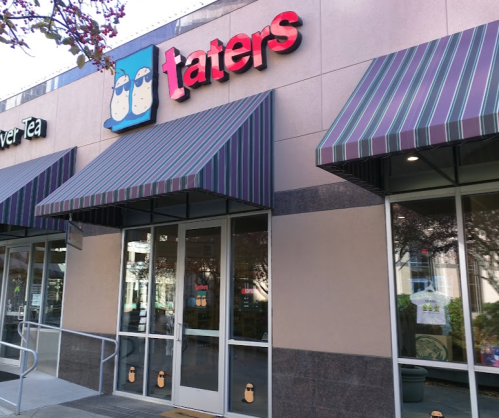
<point x="14" y="300"/>
<point x="200" y="332"/>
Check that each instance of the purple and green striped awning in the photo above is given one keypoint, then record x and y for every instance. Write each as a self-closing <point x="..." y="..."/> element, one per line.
<point x="225" y="151"/>
<point x="430" y="95"/>
<point x="25" y="185"/>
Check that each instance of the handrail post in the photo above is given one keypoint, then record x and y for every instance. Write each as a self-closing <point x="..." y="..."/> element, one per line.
<point x="21" y="382"/>
<point x="23" y="372"/>
<point x="27" y="344"/>
<point x="101" y="377"/>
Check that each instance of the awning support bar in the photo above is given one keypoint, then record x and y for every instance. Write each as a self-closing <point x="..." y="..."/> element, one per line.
<point x="437" y="169"/>
<point x="150" y="212"/>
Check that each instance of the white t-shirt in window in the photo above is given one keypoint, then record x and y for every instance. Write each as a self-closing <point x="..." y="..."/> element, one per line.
<point x="431" y="307"/>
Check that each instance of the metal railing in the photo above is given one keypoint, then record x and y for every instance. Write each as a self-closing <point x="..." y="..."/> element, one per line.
<point x="83" y="334"/>
<point x="23" y="373"/>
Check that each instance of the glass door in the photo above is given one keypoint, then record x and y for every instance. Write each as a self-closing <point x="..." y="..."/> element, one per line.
<point x="14" y="300"/>
<point x="200" y="332"/>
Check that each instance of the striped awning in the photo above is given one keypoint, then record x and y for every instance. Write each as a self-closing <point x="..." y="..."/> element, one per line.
<point x="226" y="151"/>
<point x="430" y="95"/>
<point x="24" y="185"/>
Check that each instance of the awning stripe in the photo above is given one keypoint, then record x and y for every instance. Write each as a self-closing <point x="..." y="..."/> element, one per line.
<point x="194" y="152"/>
<point x="26" y="184"/>
<point x="199" y="126"/>
<point x="443" y="91"/>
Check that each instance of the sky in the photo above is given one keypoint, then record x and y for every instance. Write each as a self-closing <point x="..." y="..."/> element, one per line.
<point x="21" y="71"/>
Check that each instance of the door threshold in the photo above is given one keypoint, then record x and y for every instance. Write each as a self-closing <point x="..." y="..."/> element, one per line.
<point x="165" y="403"/>
<point x="180" y="412"/>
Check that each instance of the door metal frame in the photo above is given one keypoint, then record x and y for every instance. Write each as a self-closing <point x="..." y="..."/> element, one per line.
<point x="191" y="397"/>
<point x="227" y="343"/>
<point x="29" y="243"/>
<point x="3" y="301"/>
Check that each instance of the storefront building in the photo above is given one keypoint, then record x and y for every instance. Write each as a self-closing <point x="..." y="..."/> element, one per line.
<point x="287" y="210"/>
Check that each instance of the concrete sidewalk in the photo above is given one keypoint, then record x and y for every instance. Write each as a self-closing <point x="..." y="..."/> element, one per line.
<point x="99" y="407"/>
<point x="45" y="396"/>
<point x="40" y="390"/>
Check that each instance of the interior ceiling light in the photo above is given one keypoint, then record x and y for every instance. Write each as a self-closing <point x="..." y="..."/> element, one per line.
<point x="401" y="217"/>
<point x="412" y="158"/>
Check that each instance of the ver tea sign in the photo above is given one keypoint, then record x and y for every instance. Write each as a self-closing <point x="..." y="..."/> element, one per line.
<point x="33" y="128"/>
<point x="135" y="92"/>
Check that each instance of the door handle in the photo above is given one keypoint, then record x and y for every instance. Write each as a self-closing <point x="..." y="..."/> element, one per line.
<point x="20" y="312"/>
<point x="179" y="331"/>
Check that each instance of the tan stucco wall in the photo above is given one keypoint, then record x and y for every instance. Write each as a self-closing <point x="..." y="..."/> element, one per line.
<point x="330" y="282"/>
<point x="92" y="285"/>
<point x="340" y="38"/>
<point x="312" y="84"/>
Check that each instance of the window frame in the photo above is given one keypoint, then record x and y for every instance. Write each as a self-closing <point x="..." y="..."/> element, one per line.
<point x="457" y="193"/>
<point x="30" y="243"/>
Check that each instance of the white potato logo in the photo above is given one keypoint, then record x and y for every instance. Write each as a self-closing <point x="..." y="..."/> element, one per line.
<point x="120" y="103"/>
<point x="142" y="92"/>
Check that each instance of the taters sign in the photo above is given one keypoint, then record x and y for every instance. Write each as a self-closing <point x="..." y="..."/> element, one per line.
<point x="33" y="128"/>
<point x="135" y="100"/>
<point x="238" y="56"/>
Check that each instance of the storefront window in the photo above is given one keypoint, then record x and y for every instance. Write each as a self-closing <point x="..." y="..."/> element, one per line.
<point x="131" y="364"/>
<point x="136" y="283"/>
<point x="481" y="218"/>
<point x="55" y="283"/>
<point x="189" y="338"/>
<point x="429" y="302"/>
<point x="14" y="299"/>
<point x="427" y="390"/>
<point x="2" y="265"/>
<point x="250" y="290"/>
<point x="160" y="371"/>
<point x="249" y="380"/>
<point x="35" y="296"/>
<point x="165" y="278"/>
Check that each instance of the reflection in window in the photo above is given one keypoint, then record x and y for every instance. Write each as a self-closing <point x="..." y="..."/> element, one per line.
<point x="14" y="300"/>
<point x="135" y="286"/>
<point x="35" y="297"/>
<point x="249" y="312"/>
<point x="55" y="283"/>
<point x="200" y="351"/>
<point x="428" y="389"/>
<point x="2" y="264"/>
<point x="430" y="314"/>
<point x="481" y="217"/>
<point x="202" y="279"/>
<point x="200" y="355"/>
<point x="165" y="277"/>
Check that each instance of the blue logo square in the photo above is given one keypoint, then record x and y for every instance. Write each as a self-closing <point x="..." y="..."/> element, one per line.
<point x="135" y="92"/>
